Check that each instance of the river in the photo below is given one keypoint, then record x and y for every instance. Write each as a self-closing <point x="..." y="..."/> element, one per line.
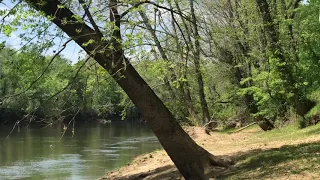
<point x="93" y="150"/>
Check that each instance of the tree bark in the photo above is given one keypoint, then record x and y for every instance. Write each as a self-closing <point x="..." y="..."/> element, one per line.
<point x="190" y="159"/>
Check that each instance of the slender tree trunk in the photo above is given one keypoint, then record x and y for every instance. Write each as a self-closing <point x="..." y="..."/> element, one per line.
<point x="289" y="15"/>
<point x="190" y="46"/>
<point x="191" y="159"/>
<point x="162" y="53"/>
<point x="203" y="101"/>
<point x="165" y="57"/>
<point x="184" y="86"/>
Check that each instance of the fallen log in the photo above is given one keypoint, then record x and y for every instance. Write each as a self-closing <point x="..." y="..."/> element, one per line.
<point x="244" y="127"/>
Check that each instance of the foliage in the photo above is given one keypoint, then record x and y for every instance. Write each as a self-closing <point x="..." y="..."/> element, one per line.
<point x="23" y="87"/>
<point x="242" y="70"/>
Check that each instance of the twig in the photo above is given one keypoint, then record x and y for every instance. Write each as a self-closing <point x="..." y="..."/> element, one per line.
<point x="87" y="12"/>
<point x="10" y="11"/>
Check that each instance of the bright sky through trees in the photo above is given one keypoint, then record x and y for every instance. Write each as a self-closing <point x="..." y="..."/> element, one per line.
<point x="72" y="50"/>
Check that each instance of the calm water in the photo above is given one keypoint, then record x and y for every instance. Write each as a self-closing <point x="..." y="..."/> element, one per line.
<point x="89" y="154"/>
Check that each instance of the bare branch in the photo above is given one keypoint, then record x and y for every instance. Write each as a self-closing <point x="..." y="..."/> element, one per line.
<point x="156" y="5"/>
<point x="131" y="8"/>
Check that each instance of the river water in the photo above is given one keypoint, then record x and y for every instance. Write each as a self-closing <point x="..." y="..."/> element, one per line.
<point x="93" y="150"/>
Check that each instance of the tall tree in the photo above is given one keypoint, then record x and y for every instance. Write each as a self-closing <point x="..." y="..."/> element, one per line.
<point x="196" y="58"/>
<point x="191" y="159"/>
<point x="184" y="85"/>
<point x="284" y="67"/>
<point x="161" y="51"/>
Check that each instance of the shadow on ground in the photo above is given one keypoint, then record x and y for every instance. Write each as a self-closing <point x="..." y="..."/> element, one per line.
<point x="297" y="161"/>
<point x="161" y="173"/>
<point x="277" y="162"/>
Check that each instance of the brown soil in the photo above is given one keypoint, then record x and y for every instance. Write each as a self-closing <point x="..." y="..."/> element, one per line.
<point x="157" y="165"/>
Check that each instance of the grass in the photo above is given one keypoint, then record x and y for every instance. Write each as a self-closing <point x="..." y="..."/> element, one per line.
<point x="291" y="131"/>
<point x="300" y="161"/>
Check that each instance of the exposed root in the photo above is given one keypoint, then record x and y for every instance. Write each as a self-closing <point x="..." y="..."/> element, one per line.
<point x="215" y="166"/>
<point x="205" y="167"/>
<point x="225" y="162"/>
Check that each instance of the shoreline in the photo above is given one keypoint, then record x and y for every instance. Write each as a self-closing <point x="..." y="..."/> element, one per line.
<point x="157" y="164"/>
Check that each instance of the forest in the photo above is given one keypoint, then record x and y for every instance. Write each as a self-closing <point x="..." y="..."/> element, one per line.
<point x="223" y="61"/>
<point x="167" y="62"/>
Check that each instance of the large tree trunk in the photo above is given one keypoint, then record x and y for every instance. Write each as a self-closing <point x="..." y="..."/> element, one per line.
<point x="190" y="159"/>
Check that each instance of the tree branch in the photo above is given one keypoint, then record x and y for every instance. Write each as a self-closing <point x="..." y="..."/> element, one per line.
<point x="132" y="7"/>
<point x="156" y="5"/>
<point x="80" y="32"/>
<point x="10" y="11"/>
<point x="87" y="12"/>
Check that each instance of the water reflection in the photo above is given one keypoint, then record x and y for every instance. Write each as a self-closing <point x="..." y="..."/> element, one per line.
<point x="92" y="151"/>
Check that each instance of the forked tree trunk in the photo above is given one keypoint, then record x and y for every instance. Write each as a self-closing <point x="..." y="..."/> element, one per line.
<point x="190" y="159"/>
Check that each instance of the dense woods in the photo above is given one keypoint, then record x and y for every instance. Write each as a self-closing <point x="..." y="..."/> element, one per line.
<point x="229" y="62"/>
<point x="47" y="93"/>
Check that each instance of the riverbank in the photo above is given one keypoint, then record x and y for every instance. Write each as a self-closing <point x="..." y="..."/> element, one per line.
<point x="9" y="116"/>
<point x="288" y="153"/>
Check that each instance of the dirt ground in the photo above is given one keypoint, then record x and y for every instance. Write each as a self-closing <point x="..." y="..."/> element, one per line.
<point x="248" y="148"/>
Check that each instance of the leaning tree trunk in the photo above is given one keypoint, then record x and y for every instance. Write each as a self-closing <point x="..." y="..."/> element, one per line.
<point x="190" y="159"/>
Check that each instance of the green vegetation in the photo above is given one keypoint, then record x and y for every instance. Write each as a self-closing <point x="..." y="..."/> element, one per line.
<point x="29" y="85"/>
<point x="279" y="162"/>
<point x="300" y="161"/>
<point x="246" y="61"/>
<point x="232" y="62"/>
